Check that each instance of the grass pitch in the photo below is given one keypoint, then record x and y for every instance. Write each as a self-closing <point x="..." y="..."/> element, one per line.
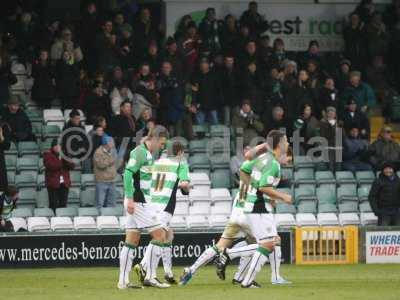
<point x="309" y="282"/>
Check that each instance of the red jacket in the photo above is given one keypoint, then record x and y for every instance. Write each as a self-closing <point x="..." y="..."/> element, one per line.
<point x="54" y="168"/>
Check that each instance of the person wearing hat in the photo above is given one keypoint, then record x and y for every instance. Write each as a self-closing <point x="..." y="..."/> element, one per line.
<point x="105" y="172"/>
<point x="57" y="176"/>
<point x="245" y="119"/>
<point x="384" y="149"/>
<point x="360" y="91"/>
<point x="18" y="122"/>
<point x="353" y="117"/>
<point x="384" y="196"/>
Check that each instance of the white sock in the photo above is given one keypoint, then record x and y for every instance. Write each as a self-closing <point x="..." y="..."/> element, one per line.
<point x="257" y="261"/>
<point x="275" y="261"/>
<point x="167" y="260"/>
<point x="247" y="250"/>
<point x="153" y="256"/>
<point x="204" y="258"/>
<point x="125" y="263"/>
<point x="243" y="267"/>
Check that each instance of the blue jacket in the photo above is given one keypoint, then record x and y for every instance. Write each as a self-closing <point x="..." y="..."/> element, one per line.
<point x="363" y="94"/>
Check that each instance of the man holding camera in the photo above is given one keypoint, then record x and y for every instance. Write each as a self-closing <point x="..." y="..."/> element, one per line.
<point x="245" y="118"/>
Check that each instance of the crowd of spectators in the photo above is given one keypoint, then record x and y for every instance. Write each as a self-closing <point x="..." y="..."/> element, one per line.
<point x="126" y="76"/>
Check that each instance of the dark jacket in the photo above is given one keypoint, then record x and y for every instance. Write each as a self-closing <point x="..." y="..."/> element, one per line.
<point x="96" y="106"/>
<point x="355" y="149"/>
<point x="76" y="144"/>
<point x="208" y="96"/>
<point x="210" y="34"/>
<point x="256" y="23"/>
<point x="328" y="97"/>
<point x="384" y="195"/>
<point x="67" y="80"/>
<point x="329" y="132"/>
<point x="43" y="87"/>
<point x="54" y="168"/>
<point x="4" y="146"/>
<point x="171" y="99"/>
<point x="229" y="82"/>
<point x="20" y="125"/>
<point x="120" y="127"/>
<point x="363" y="94"/>
<point x="297" y="97"/>
<point x="359" y="120"/>
<point x="6" y="79"/>
<point x="250" y="124"/>
<point x="382" y="151"/>
<point x="252" y="87"/>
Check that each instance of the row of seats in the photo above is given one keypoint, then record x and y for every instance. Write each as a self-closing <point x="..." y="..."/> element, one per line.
<point x="110" y="222"/>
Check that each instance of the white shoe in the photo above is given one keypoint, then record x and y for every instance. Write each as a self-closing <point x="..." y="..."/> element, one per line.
<point x="280" y="281"/>
<point x="154" y="282"/>
<point x="128" y="286"/>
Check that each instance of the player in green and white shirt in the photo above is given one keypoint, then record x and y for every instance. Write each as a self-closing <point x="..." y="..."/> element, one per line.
<point x="139" y="216"/>
<point x="235" y="229"/>
<point x="170" y="172"/>
<point x="265" y="178"/>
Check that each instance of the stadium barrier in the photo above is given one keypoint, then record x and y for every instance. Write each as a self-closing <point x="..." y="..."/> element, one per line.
<point x="326" y="245"/>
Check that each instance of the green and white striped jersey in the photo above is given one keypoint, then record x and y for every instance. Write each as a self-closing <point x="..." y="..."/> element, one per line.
<point x="240" y="198"/>
<point x="167" y="173"/>
<point x="137" y="175"/>
<point x="266" y="172"/>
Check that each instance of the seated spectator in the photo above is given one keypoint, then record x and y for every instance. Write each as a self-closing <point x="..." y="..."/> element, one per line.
<point x="384" y="196"/>
<point x="5" y="133"/>
<point x="355" y="152"/>
<point x="313" y="53"/>
<point x="174" y="56"/>
<point x="43" y="89"/>
<point x="65" y="43"/>
<point x="328" y="96"/>
<point x="67" y="80"/>
<point x="18" y="122"/>
<point x="120" y="93"/>
<point x="329" y="129"/>
<point x="342" y="77"/>
<point x="152" y="56"/>
<point x="171" y="100"/>
<point x="360" y="91"/>
<point x="144" y="84"/>
<point x="290" y="74"/>
<point x="235" y="164"/>
<point x="384" y="149"/>
<point x="308" y="125"/>
<point x="123" y="125"/>
<point x="7" y="78"/>
<point x="57" y="176"/>
<point x="352" y="117"/>
<point x="245" y="119"/>
<point x="105" y="172"/>
<point x="279" y="54"/>
<point x="97" y="104"/>
<point x="206" y="92"/>
<point x="8" y="202"/>
<point x="277" y="120"/>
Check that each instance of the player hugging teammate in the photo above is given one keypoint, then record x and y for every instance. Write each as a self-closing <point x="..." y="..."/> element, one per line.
<point x="150" y="198"/>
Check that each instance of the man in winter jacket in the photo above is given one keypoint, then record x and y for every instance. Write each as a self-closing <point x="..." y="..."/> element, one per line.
<point x="384" y="197"/>
<point x="385" y="148"/>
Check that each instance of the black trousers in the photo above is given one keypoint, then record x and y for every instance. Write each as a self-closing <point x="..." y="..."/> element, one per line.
<point x="58" y="197"/>
<point x="8" y="227"/>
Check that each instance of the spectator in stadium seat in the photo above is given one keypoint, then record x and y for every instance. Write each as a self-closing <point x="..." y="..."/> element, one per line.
<point x="343" y="75"/>
<point x="210" y="29"/>
<point x="171" y="100"/>
<point x="279" y="54"/>
<point x="229" y="34"/>
<point x="206" y="92"/>
<point x="67" y="80"/>
<point x="313" y="53"/>
<point x="127" y="47"/>
<point x="7" y="78"/>
<point x="252" y="87"/>
<point x="290" y="74"/>
<point x="365" y="9"/>
<point x="5" y="133"/>
<point x="299" y="95"/>
<point x="144" y="30"/>
<point x="308" y="125"/>
<point x="119" y="94"/>
<point x="123" y="125"/>
<point x="352" y="117"/>
<point x="277" y="119"/>
<point x="355" y="42"/>
<point x="65" y="43"/>
<point x="329" y="129"/>
<point x="249" y="55"/>
<point x="355" y="153"/>
<point x="377" y="37"/>
<point x="57" y="176"/>
<point x="253" y="20"/>
<point x="384" y="149"/>
<point x="97" y="104"/>
<point x="229" y="78"/>
<point x="105" y="172"/>
<point x="8" y="202"/>
<point x="17" y="120"/>
<point x="360" y="91"/>
<point x="152" y="56"/>
<point x="89" y="26"/>
<point x="235" y="163"/>
<point x="43" y="90"/>
<point x="244" y="118"/>
<point x="175" y="57"/>
<point x="144" y="84"/>
<point x="328" y="96"/>
<point x="384" y="196"/>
